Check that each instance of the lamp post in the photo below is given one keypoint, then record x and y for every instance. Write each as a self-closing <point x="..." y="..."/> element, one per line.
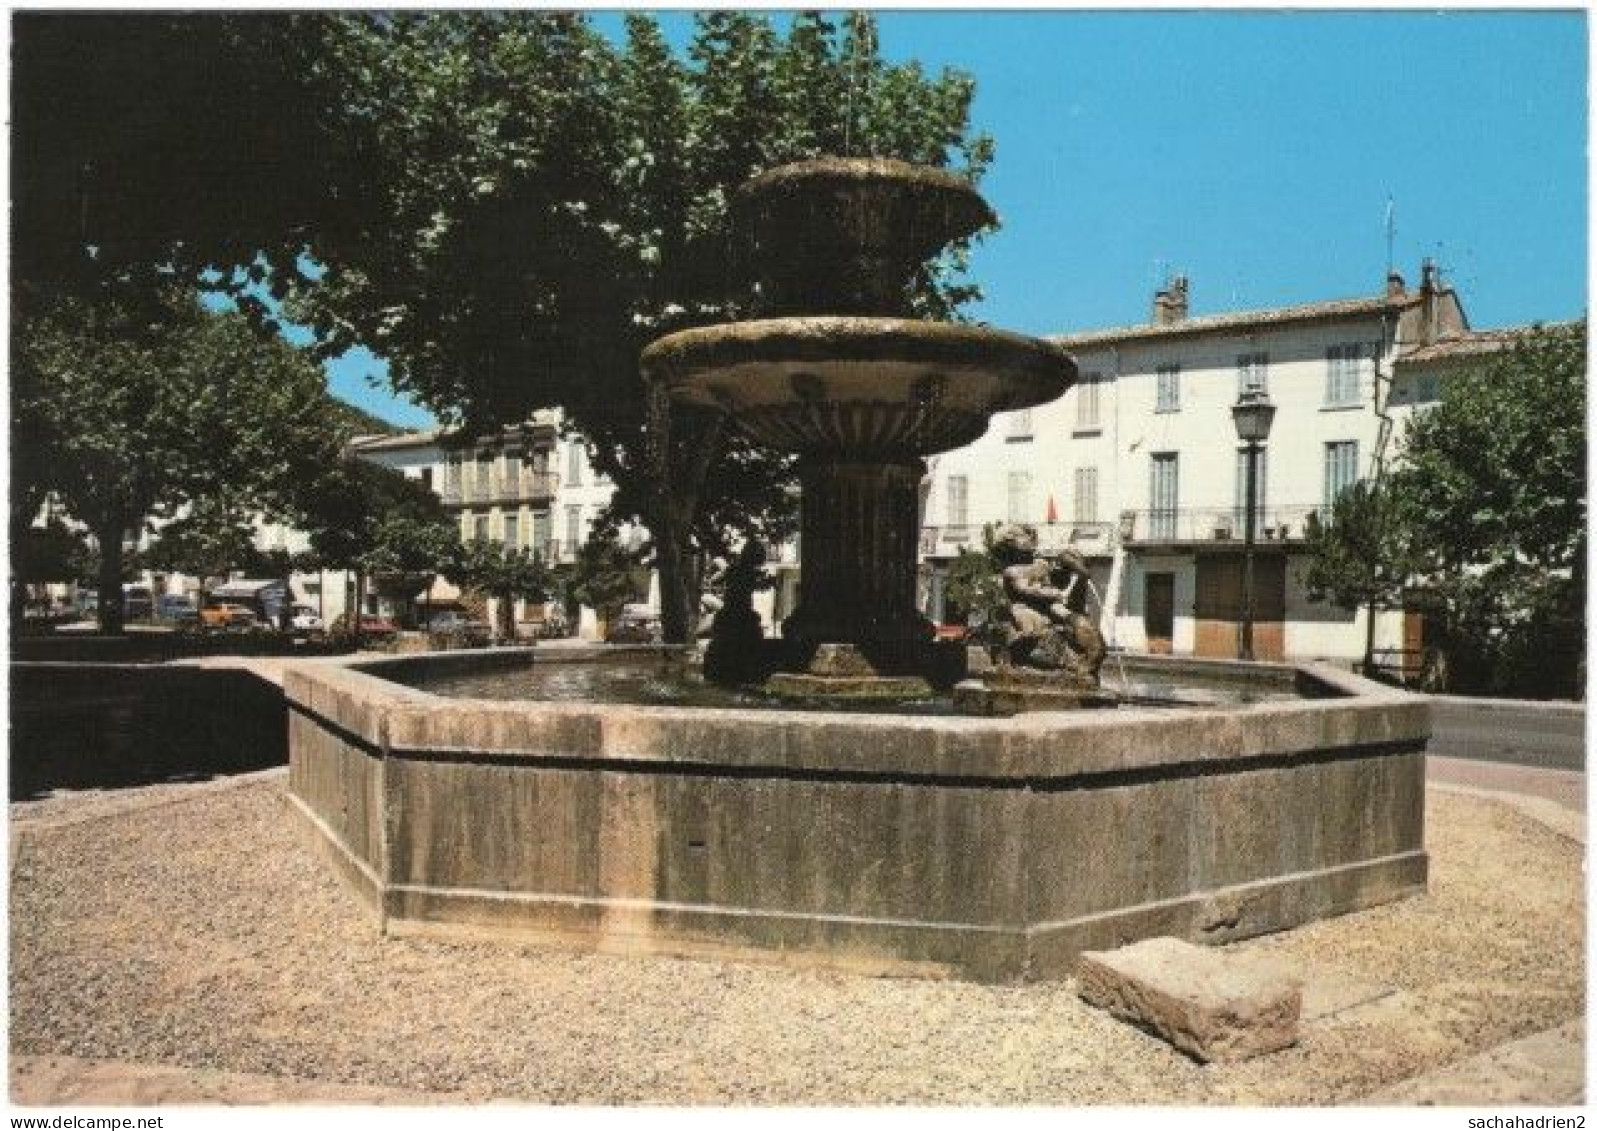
<point x="1252" y="414"/>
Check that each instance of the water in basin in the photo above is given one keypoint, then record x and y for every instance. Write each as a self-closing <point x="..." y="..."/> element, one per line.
<point x="672" y="683"/>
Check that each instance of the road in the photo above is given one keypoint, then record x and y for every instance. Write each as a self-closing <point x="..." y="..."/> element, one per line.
<point x="1543" y="736"/>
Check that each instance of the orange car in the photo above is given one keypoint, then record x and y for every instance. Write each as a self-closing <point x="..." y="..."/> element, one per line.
<point x="221" y="614"/>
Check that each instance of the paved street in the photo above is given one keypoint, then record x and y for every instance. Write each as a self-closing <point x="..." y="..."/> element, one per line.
<point x="1545" y="736"/>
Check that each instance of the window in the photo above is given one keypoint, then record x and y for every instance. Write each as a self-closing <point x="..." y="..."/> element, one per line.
<point x="1341" y="468"/>
<point x="1253" y="372"/>
<point x="1087" y="402"/>
<point x="1020" y="496"/>
<point x="1163" y="491"/>
<point x="1168" y="396"/>
<point x="452" y="476"/>
<point x="427" y="478"/>
<point x="485" y="465"/>
<point x="573" y="528"/>
<point x="540" y="532"/>
<point x="479" y="528"/>
<point x="512" y="531"/>
<point x="958" y="498"/>
<point x="1260" y="487"/>
<point x="1086" y="501"/>
<point x="513" y="473"/>
<point x="574" y="465"/>
<point x="1020" y="426"/>
<point x="1342" y="375"/>
<point x="1429" y="387"/>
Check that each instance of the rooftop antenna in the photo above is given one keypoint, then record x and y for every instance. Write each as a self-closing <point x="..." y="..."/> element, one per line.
<point x="1391" y="231"/>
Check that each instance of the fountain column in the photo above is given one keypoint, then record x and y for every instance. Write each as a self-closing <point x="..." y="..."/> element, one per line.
<point x="860" y="525"/>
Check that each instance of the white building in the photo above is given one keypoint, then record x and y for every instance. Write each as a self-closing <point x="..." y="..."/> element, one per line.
<point x="1139" y="467"/>
<point x="526" y="486"/>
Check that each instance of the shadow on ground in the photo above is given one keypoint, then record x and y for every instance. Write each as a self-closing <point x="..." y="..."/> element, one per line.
<point x="102" y="726"/>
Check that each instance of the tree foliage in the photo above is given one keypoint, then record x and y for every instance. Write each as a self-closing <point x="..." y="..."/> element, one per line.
<point x="506" y="573"/>
<point x="1485" y="514"/>
<point x="606" y="576"/>
<point x="150" y="147"/>
<point x="504" y="205"/>
<point x="1490" y="496"/>
<point x="133" y="415"/>
<point x="1359" y="555"/>
<point x="974" y="586"/>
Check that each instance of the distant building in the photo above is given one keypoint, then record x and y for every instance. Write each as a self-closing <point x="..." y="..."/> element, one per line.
<point x="1139" y="468"/>
<point x="525" y="485"/>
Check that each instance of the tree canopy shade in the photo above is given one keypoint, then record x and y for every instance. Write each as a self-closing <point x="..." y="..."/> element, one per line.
<point x="126" y="418"/>
<point x="536" y="205"/>
<point x="507" y="206"/>
<point x="150" y="146"/>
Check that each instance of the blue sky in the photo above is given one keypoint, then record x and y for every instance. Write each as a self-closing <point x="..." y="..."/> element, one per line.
<point x="1255" y="152"/>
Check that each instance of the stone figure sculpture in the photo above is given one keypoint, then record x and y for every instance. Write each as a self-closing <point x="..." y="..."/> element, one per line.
<point x="733" y="653"/>
<point x="1046" y="626"/>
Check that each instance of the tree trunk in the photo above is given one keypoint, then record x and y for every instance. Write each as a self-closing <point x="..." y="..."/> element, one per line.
<point x="109" y="611"/>
<point x="677" y="490"/>
<point x="676" y="615"/>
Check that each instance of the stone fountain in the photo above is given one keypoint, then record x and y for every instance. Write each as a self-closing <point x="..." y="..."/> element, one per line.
<point x="994" y="848"/>
<point x="839" y="371"/>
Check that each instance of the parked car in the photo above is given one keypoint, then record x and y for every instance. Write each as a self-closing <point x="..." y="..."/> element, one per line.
<point x="137" y="604"/>
<point x="223" y="614"/>
<point x="370" y="625"/>
<point x="304" y="621"/>
<point x="178" y="608"/>
<point x="636" y="625"/>
<point x="459" y="628"/>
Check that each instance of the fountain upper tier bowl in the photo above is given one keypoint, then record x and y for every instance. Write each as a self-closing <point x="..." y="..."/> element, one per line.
<point x="848" y="235"/>
<point x="859" y="384"/>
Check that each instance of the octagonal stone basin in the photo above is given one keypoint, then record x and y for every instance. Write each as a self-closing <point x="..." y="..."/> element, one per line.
<point x="988" y="849"/>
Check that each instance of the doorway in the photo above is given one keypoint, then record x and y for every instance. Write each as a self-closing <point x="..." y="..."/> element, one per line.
<point x="1159" y="612"/>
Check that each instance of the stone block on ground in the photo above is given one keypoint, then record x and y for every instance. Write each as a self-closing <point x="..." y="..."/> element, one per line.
<point x="1210" y="1004"/>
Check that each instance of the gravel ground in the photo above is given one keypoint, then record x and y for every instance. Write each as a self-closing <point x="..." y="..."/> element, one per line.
<point x="200" y="932"/>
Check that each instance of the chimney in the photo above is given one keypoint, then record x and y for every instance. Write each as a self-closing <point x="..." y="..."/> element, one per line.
<point x="1430" y="303"/>
<point x="1170" y="303"/>
<point x="1429" y="280"/>
<point x="1395" y="287"/>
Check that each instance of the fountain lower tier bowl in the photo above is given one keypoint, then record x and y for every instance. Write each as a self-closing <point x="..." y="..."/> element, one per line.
<point x="852" y="385"/>
<point x="995" y="849"/>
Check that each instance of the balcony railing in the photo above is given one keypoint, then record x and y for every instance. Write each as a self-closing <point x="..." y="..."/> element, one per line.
<point x="1084" y="537"/>
<point x="1214" y="524"/>
<point x="499" y="488"/>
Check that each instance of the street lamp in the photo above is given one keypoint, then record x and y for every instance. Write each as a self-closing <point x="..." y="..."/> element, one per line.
<point x="1253" y="414"/>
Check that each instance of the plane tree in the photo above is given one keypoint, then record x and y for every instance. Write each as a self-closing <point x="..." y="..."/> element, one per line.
<point x="135" y="415"/>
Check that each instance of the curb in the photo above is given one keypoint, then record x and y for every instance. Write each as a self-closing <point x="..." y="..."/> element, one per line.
<point x="1549" y="814"/>
<point x="1545" y="1069"/>
<point x="1547" y="706"/>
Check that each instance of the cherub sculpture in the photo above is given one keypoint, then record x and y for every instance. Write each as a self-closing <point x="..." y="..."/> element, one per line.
<point x="1045" y="626"/>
